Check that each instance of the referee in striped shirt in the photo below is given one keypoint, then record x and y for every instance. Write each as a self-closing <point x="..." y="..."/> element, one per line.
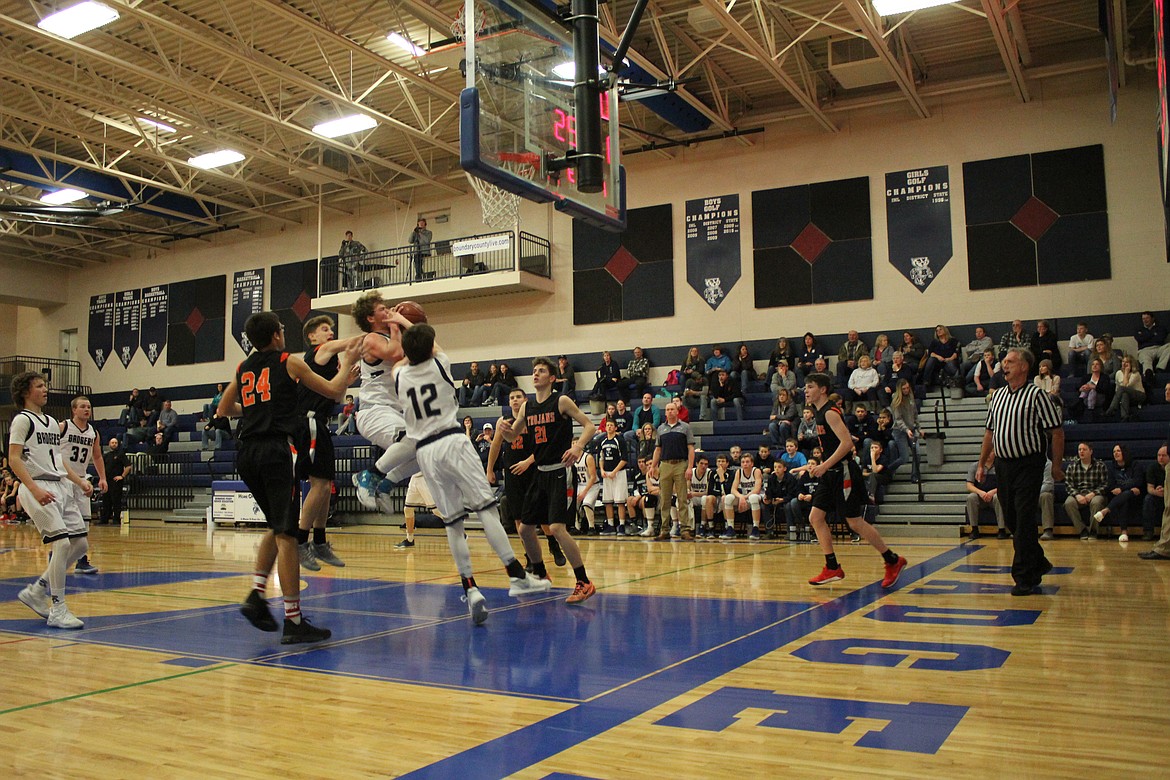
<point x="1020" y="422"/>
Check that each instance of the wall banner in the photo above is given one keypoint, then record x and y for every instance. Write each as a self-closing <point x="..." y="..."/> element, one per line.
<point x="713" y="261"/>
<point x="247" y="299"/>
<point x="918" y="221"/>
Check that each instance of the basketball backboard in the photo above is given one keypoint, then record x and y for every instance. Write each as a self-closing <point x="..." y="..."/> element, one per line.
<point x="519" y="102"/>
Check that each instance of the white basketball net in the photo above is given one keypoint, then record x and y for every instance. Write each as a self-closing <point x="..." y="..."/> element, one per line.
<point x="459" y="24"/>
<point x="501" y="209"/>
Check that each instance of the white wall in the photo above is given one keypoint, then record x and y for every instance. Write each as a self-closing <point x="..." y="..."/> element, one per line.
<point x="1066" y="114"/>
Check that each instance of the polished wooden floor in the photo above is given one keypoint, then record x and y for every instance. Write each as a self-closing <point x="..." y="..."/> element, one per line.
<point x="694" y="660"/>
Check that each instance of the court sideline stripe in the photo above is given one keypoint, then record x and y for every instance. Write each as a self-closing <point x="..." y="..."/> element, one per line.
<point x="138" y="684"/>
<point x="527" y="746"/>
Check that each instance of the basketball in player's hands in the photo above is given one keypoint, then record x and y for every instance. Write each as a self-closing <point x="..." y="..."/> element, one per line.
<point x="411" y="311"/>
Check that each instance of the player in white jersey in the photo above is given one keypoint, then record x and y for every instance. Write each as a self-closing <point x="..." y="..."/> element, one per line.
<point x="34" y="456"/>
<point x="80" y="448"/>
<point x="449" y="461"/>
<point x="588" y="488"/>
<point x="379" y="417"/>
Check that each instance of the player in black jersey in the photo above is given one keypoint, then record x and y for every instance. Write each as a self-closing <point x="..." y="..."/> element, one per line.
<point x="518" y="473"/>
<point x="314" y="442"/>
<point x="841" y="488"/>
<point x="264" y="392"/>
<point x="550" y="419"/>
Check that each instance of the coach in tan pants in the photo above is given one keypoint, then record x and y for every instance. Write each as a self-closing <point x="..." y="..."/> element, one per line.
<point x="674" y="449"/>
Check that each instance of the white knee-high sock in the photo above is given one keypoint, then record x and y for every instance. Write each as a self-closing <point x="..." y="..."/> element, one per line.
<point x="494" y="531"/>
<point x="77" y="548"/>
<point x="459" y="550"/>
<point x="55" y="573"/>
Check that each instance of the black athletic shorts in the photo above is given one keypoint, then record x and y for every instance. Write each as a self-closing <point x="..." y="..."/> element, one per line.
<point x="265" y="464"/>
<point x="516" y="492"/>
<point x="830" y="494"/>
<point x="547" y="499"/>
<point x="315" y="456"/>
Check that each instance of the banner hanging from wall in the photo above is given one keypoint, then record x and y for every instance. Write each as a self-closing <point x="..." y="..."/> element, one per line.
<point x="152" y="334"/>
<point x="100" y="341"/>
<point x="127" y="319"/>
<point x="918" y="222"/>
<point x="713" y="253"/>
<point x="247" y="299"/>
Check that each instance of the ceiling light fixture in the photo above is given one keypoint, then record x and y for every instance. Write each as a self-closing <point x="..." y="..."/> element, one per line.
<point x="162" y="127"/>
<point x="78" y="19"/>
<point x="346" y="125"/>
<point x="61" y="197"/>
<point x="406" y="44"/>
<point x="215" y="159"/>
<point x="891" y="7"/>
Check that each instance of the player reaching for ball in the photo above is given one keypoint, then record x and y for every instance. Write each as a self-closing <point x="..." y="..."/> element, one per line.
<point x="422" y="385"/>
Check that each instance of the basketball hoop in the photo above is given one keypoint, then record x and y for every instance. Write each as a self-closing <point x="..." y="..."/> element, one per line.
<point x="501" y="209"/>
<point x="459" y="24"/>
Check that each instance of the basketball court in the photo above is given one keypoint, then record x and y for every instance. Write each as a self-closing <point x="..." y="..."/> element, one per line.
<point x="694" y="660"/>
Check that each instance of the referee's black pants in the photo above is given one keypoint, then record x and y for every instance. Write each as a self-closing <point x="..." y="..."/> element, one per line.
<point x="1020" y="480"/>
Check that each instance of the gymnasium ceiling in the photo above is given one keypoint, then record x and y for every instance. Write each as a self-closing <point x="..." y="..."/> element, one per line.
<point x="256" y="75"/>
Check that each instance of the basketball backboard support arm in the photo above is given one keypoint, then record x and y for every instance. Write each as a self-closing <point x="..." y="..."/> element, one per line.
<point x="587" y="92"/>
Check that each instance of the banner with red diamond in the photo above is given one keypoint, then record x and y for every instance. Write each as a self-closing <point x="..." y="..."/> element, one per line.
<point x="918" y="223"/>
<point x="196" y="320"/>
<point x="153" y="332"/>
<point x="127" y="319"/>
<point x="713" y="252"/>
<point x="627" y="275"/>
<point x="294" y="286"/>
<point x="1037" y="218"/>
<point x="247" y="299"/>
<point x="100" y="341"/>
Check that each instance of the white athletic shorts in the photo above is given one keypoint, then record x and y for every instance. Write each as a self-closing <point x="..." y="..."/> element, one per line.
<point x="452" y="465"/>
<point x="589" y="497"/>
<point x="614" y="489"/>
<point x="417" y="493"/>
<point x="384" y="426"/>
<point x="60" y="519"/>
<point x="83" y="502"/>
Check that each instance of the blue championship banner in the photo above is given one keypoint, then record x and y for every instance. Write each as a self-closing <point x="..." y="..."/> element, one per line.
<point x="713" y="247"/>
<point x="247" y="299"/>
<point x="153" y="332"/>
<point x="127" y="319"/>
<point x="101" y="328"/>
<point x="918" y="221"/>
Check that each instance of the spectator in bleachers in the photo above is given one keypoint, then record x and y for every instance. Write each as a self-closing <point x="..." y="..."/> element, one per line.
<point x="883" y="434"/>
<point x="637" y="375"/>
<point x="485" y="391"/>
<point x="683" y="413"/>
<point x="209" y="408"/>
<point x="821" y="366"/>
<point x="1049" y="381"/>
<point x="1045" y="346"/>
<point x="158" y="446"/>
<point x="1094" y="393"/>
<point x="647" y="413"/>
<point x="1086" y="479"/>
<point x="913" y="350"/>
<point x="623" y="417"/>
<point x="782" y="420"/>
<point x="782" y="352"/>
<point x="764" y="459"/>
<point x="747" y="492"/>
<point x="849" y="354"/>
<point x="565" y="382"/>
<point x="168" y="418"/>
<point x="984" y="371"/>
<point x="1155" y="501"/>
<point x="644" y="442"/>
<point x="483" y="443"/>
<point x="1124" y="492"/>
<point x="693" y="362"/>
<point x="349" y="261"/>
<point x="784" y="377"/>
<point x="1109" y="357"/>
<point x="864" y="381"/>
<point x="899" y="369"/>
<point x="861" y="429"/>
<point x="1128" y="391"/>
<point x="347" y="421"/>
<point x="972" y="353"/>
<point x="1048" y="503"/>
<point x="942" y="358"/>
<point x="807" y="436"/>
<point x="719" y="361"/>
<point x="1153" y="346"/>
<point x="743" y="366"/>
<point x="506" y="383"/>
<point x="877" y="472"/>
<point x="907" y="434"/>
<point x="806" y="362"/>
<point x="609" y="376"/>
<point x="798" y="508"/>
<point x="1080" y="349"/>
<point x="472" y="381"/>
<point x="151" y="406"/>
<point x="780" y="489"/>
<point x="1015" y="338"/>
<point x="136" y="434"/>
<point x="792" y="458"/>
<point x="984" y="493"/>
<point x="725" y="393"/>
<point x="694" y="394"/>
<point x="216" y="432"/>
<point x="469" y="428"/>
<point x="131" y="413"/>
<point x="882" y="355"/>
